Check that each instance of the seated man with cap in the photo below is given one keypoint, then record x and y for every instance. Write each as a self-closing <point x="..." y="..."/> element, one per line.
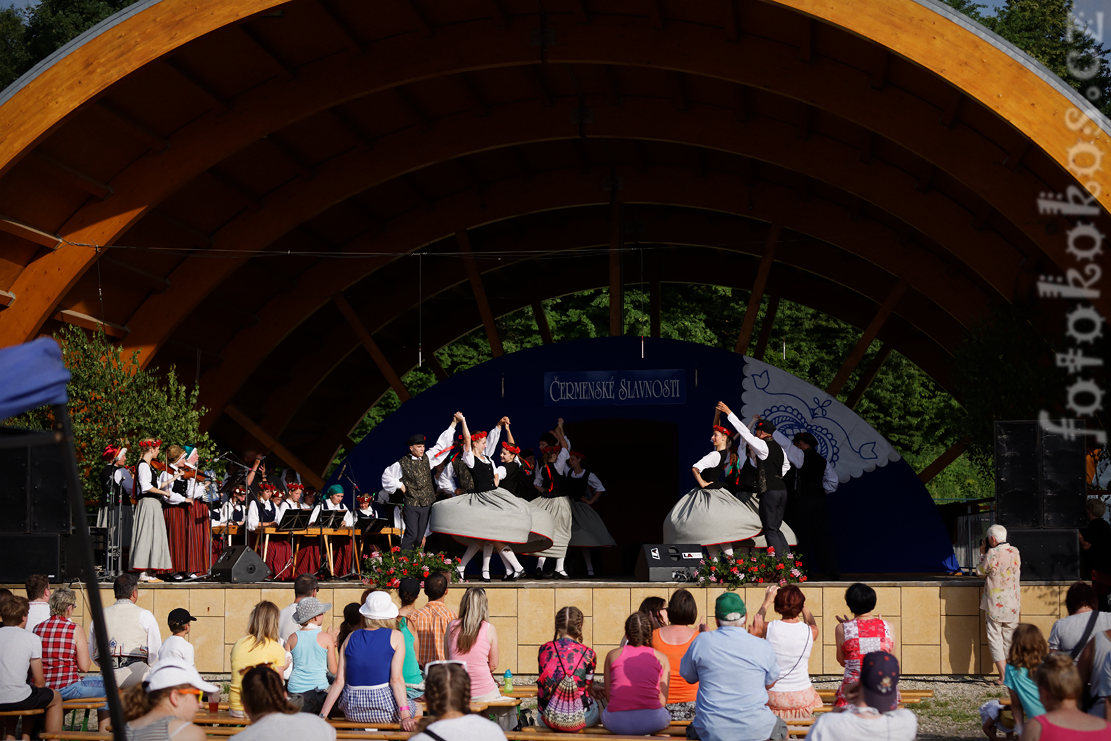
<point x="734" y="671"/>
<point x="411" y="474"/>
<point x="875" y="714"/>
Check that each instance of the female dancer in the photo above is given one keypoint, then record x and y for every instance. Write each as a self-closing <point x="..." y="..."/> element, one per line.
<point x="708" y="514"/>
<point x="587" y="528"/>
<point x="484" y="516"/>
<point x="551" y="480"/>
<point x="514" y="475"/>
<point x="150" y="549"/>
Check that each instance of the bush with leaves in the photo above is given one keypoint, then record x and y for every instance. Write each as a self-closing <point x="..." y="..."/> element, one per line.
<point x="757" y="567"/>
<point x="113" y="400"/>
<point x="386" y="569"/>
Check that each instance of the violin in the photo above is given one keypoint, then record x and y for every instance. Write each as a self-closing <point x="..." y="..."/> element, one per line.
<point x="183" y="473"/>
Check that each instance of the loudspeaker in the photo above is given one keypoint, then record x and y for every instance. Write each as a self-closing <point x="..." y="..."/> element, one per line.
<point x="1039" y="477"/>
<point x="31" y="554"/>
<point x="239" y="564"/>
<point x="33" y="489"/>
<point x="668" y="562"/>
<point x="1047" y="555"/>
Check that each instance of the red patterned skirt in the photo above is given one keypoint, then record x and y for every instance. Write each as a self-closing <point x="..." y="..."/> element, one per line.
<point x="177" y="533"/>
<point x="308" y="556"/>
<point x="199" y="555"/>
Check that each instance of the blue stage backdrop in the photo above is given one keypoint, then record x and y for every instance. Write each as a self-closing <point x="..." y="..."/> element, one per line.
<point x="641" y="410"/>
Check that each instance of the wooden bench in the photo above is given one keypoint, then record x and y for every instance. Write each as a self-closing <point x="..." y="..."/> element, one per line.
<point x="11" y="719"/>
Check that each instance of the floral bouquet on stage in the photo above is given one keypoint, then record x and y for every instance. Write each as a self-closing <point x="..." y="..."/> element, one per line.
<point x="386" y="569"/>
<point x="758" y="567"/>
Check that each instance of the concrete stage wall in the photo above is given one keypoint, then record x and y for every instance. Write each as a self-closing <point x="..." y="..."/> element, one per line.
<point x="938" y="625"/>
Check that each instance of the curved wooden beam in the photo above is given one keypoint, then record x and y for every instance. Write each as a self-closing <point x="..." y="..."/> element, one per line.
<point x="939" y="219"/>
<point x="697" y="50"/>
<point x="570" y="188"/>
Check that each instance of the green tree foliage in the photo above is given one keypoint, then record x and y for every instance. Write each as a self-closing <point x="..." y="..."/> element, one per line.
<point x="1048" y="31"/>
<point x="14" y="58"/>
<point x="112" y="400"/>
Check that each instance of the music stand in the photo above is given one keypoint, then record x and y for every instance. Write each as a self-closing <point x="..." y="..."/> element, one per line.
<point x="293" y="520"/>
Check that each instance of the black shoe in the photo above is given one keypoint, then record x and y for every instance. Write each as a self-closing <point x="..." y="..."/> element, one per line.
<point x="561" y="575"/>
<point x="539" y="573"/>
<point x="178" y="577"/>
<point x="486" y="578"/>
<point x="514" y="576"/>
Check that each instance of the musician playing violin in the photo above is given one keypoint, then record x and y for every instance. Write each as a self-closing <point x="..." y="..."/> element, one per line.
<point x="150" y="551"/>
<point x="176" y="508"/>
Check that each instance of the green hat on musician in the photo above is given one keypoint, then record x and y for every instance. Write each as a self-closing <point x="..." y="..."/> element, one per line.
<point x="189" y="450"/>
<point x="333" y="489"/>
<point x="729" y="606"/>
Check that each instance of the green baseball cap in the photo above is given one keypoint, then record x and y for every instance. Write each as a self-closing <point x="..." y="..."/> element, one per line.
<point x="729" y="606"/>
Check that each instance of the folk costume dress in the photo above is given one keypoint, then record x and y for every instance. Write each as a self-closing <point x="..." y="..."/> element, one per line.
<point x="175" y="510"/>
<point x="555" y="502"/>
<point x="343" y="549"/>
<point x="150" y="548"/>
<point x="515" y="477"/>
<point x="307" y="559"/>
<point x="587" y="528"/>
<point x="231" y="513"/>
<point x="711" y="516"/>
<point x="484" y="513"/>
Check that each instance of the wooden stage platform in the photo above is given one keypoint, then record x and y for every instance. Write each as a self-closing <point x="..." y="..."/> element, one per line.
<point x="938" y="624"/>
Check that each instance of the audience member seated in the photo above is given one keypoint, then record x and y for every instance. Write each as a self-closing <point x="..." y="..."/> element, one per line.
<point x="1060" y="689"/>
<point x="65" y="654"/>
<point x="566" y="656"/>
<point x="20" y="658"/>
<point x="656" y="610"/>
<point x="793" y="637"/>
<point x="177" y="648"/>
<point x="672" y="639"/>
<point x="472" y="639"/>
<point x="352" y="620"/>
<point x="314" y="655"/>
<point x="734" y="670"/>
<point x="430" y="622"/>
<point x="369" y="685"/>
<point x="873" y="707"/>
<point x="273" y="716"/>
<point x="164" y="705"/>
<point x="408" y="591"/>
<point x="133" y="636"/>
<point x="1084" y="619"/>
<point x="447" y="695"/>
<point x="259" y="646"/>
<point x="636" y="682"/>
<point x="38" y="600"/>
<point x="860" y="635"/>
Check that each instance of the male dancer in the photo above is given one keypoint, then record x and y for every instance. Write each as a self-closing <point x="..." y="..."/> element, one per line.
<point x="412" y="476"/>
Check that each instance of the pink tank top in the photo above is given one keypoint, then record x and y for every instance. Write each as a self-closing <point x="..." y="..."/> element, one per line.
<point x="477" y="659"/>
<point x="635" y="674"/>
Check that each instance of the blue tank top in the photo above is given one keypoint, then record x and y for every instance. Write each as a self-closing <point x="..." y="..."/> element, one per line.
<point x="310" y="662"/>
<point x="368" y="654"/>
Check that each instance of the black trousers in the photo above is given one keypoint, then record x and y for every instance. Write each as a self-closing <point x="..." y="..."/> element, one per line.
<point x="812" y="529"/>
<point x="773" y="503"/>
<point x="416" y="522"/>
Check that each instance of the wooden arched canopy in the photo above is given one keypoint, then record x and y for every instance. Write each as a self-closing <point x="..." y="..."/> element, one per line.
<point x="240" y="188"/>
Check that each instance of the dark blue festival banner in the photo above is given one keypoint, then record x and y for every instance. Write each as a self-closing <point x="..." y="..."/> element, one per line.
<point x="615" y="388"/>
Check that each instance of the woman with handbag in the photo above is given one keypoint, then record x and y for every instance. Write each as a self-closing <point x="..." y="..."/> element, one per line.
<point x="565" y="685"/>
<point x="793" y="637"/>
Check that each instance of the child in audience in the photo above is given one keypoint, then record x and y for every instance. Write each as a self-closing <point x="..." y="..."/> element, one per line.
<point x="177" y="648"/>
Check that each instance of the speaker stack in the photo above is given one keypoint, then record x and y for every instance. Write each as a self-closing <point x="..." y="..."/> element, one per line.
<point x="35" y="524"/>
<point x="1039" y="497"/>
<point x="240" y="565"/>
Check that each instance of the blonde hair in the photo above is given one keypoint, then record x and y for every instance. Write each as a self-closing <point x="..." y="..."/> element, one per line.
<point x="1059" y="677"/>
<point x="375" y="623"/>
<point x="473" y="611"/>
<point x="174" y="452"/>
<point x="137" y="702"/>
<point x="61" y="599"/>
<point x="569" y="622"/>
<point x="262" y="626"/>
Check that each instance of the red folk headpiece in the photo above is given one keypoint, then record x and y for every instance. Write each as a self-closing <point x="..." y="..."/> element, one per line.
<point x="578" y="455"/>
<point x="481" y="434"/>
<point x="239" y="490"/>
<point x="110" y="452"/>
<point x="267" y="486"/>
<point x="150" y="443"/>
<point x="295" y="485"/>
<point x="511" y="447"/>
<point x="723" y="430"/>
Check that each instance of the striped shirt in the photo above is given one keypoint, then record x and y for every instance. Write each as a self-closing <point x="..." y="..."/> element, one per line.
<point x="59" y="653"/>
<point x="429" y="624"/>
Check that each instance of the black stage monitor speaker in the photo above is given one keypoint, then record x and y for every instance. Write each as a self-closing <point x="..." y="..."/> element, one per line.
<point x="668" y="562"/>
<point x="239" y="565"/>
<point x="1047" y="555"/>
<point x="1039" y="477"/>
<point x="30" y="554"/>
<point x="33" y="490"/>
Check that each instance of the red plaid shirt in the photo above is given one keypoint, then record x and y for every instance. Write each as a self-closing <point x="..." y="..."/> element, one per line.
<point x="59" y="654"/>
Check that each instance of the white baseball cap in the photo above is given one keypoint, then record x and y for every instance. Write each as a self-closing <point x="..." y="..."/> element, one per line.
<point x="174" y="674"/>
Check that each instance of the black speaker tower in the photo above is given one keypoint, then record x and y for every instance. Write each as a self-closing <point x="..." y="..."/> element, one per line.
<point x="239" y="564"/>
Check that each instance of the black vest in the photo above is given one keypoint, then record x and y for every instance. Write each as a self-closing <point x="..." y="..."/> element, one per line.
<point x="113" y="492"/>
<point x="553" y="484"/>
<point x="417" y="477"/>
<point x="712" y="475"/>
<point x="482" y="475"/>
<point x="578" y="488"/>
<point x="153" y="482"/>
<point x="769" y="471"/>
<point x="515" y="480"/>
<point x="266" y="510"/>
